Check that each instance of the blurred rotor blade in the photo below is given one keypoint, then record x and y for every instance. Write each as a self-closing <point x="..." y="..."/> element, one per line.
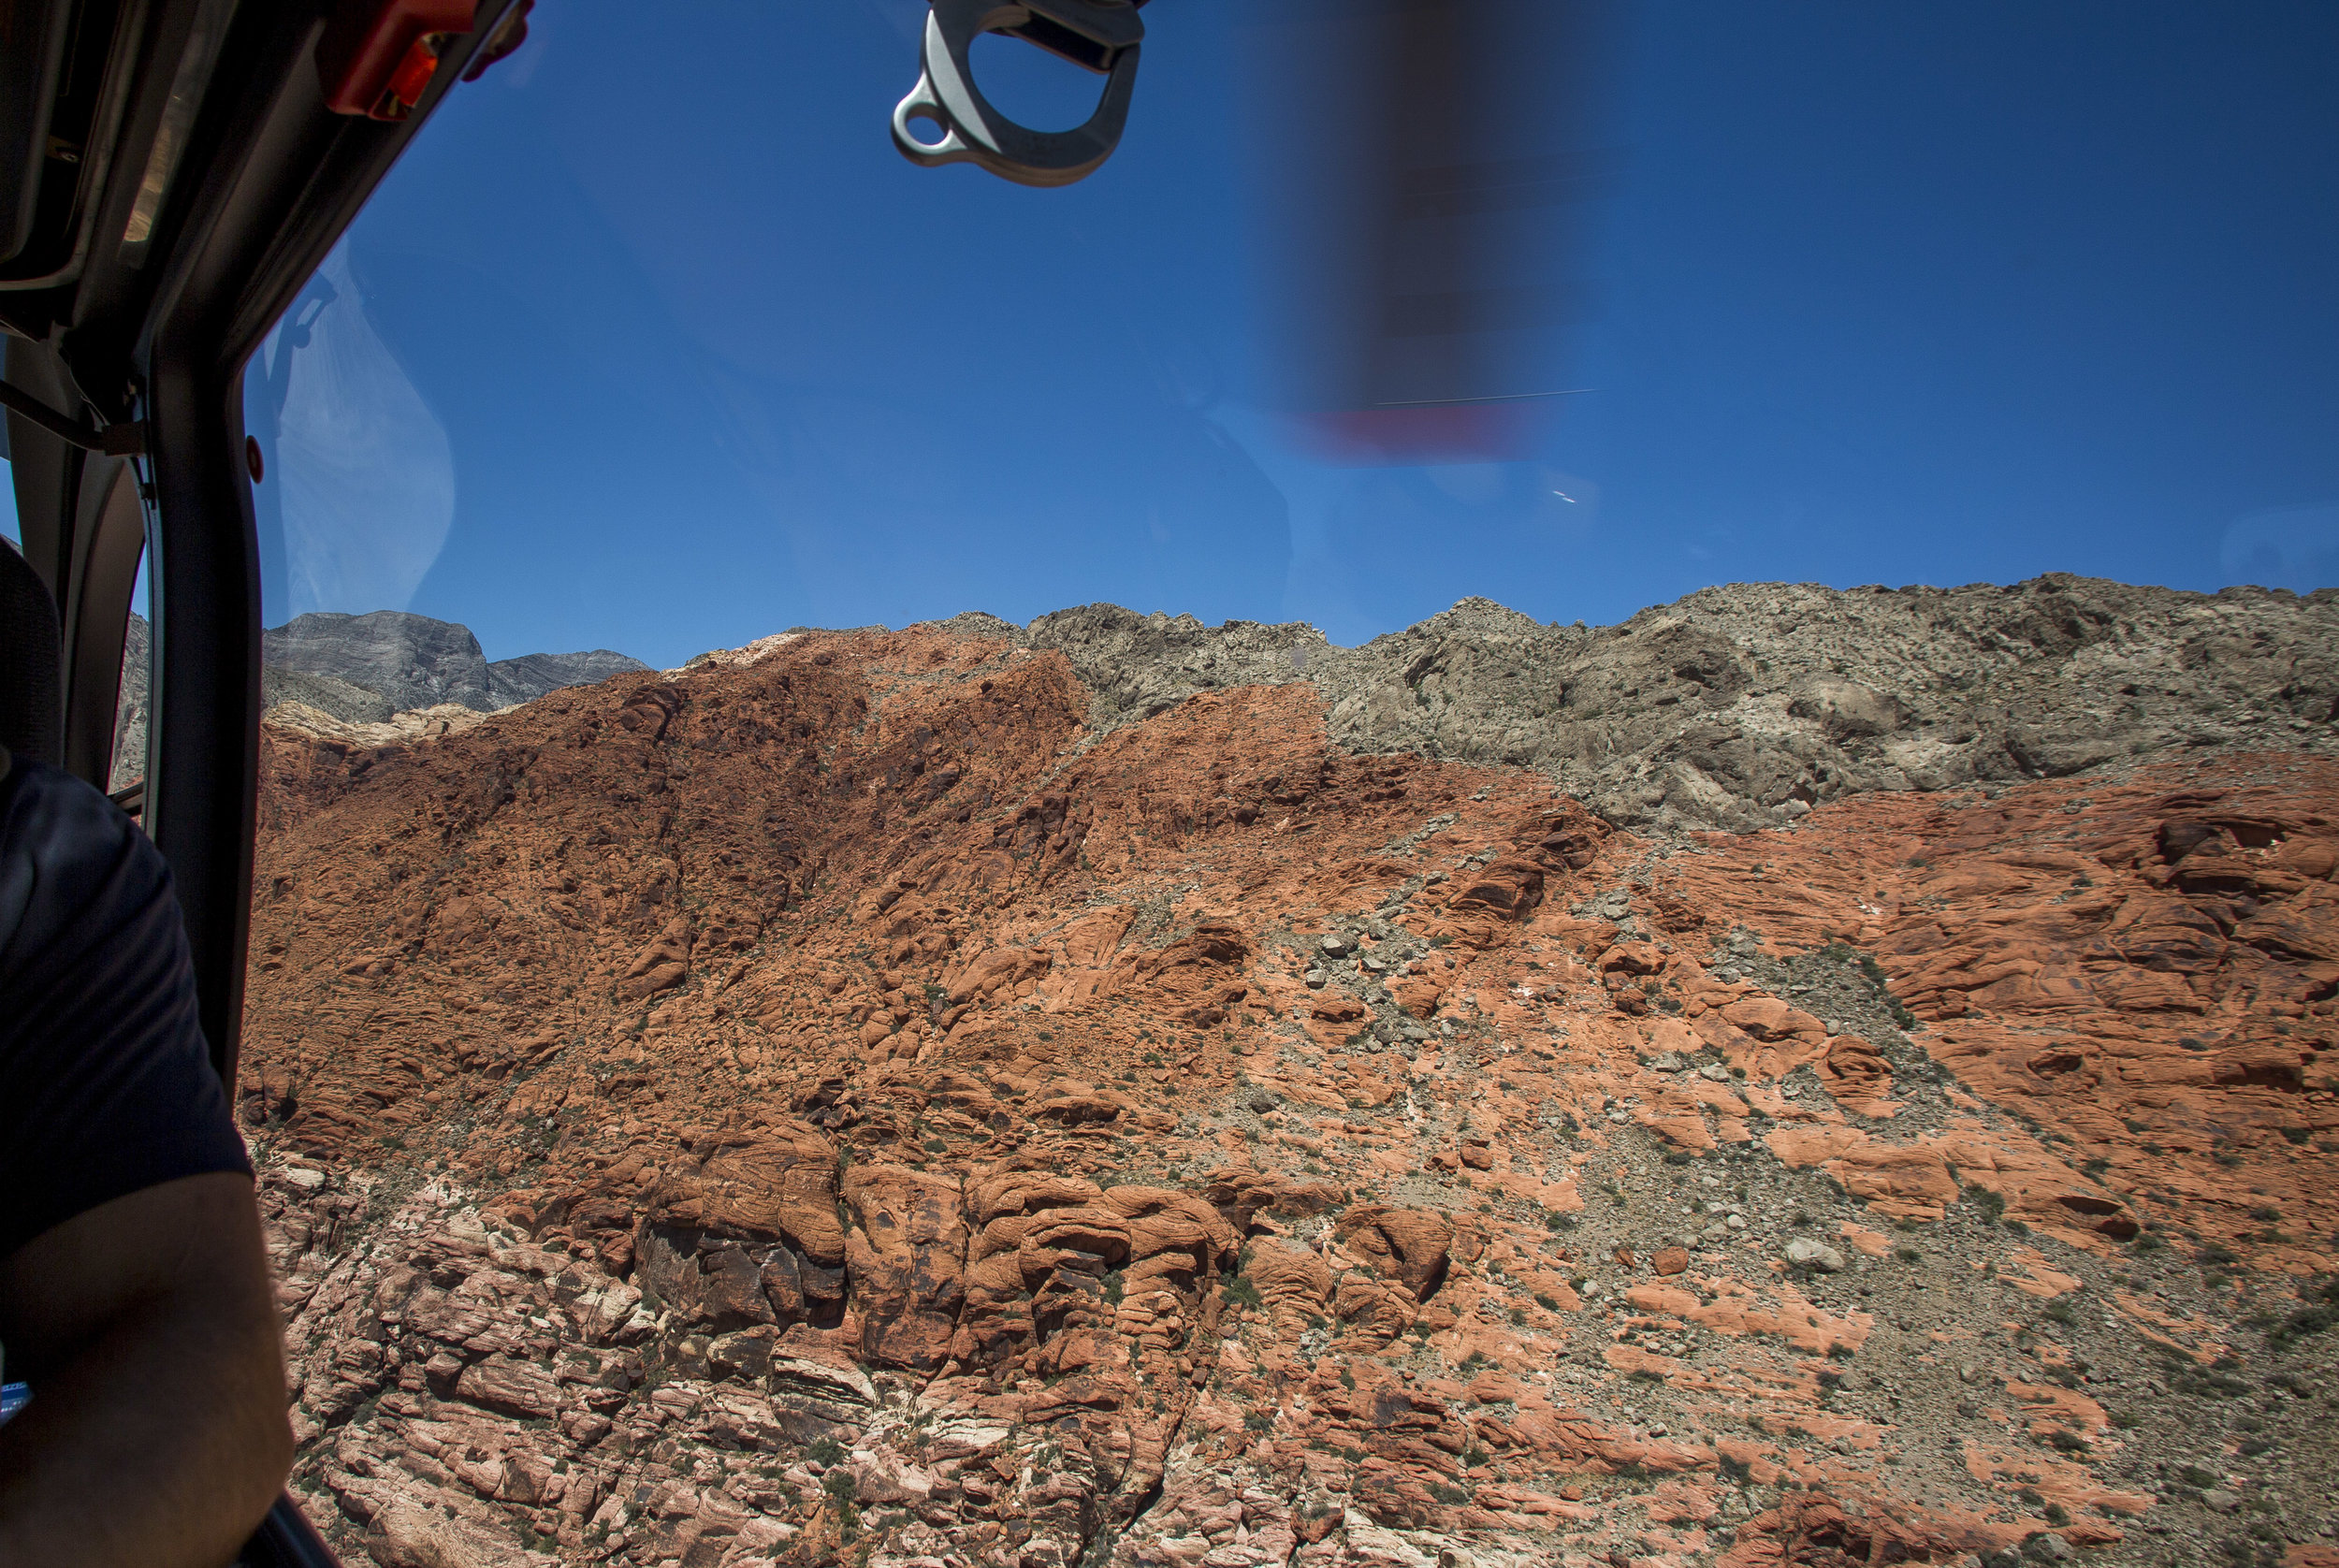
<point x="1428" y="167"/>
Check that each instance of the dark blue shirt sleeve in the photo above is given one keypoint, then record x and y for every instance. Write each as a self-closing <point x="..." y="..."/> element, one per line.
<point x="105" y="1084"/>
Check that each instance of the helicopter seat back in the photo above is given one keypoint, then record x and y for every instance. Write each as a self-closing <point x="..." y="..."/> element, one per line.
<point x="32" y="717"/>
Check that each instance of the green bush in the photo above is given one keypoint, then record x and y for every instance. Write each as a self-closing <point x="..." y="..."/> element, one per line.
<point x="2313" y="1319"/>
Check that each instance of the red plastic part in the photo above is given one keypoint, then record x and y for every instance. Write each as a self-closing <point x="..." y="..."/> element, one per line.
<point x="373" y="47"/>
<point x="414" y="74"/>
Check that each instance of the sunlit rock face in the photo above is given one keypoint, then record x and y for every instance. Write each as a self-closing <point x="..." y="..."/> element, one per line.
<point x="864" y="1097"/>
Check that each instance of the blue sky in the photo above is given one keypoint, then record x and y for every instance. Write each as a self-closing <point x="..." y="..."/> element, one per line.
<point x="652" y="342"/>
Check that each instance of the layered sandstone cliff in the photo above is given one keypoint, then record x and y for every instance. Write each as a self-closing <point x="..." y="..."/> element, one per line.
<point x="895" y="1097"/>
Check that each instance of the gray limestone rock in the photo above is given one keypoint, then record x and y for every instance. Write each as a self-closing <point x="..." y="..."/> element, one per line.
<point x="130" y="705"/>
<point x="514" y="681"/>
<point x="356" y="704"/>
<point x="1739" y="707"/>
<point x="413" y="660"/>
<point x="362" y="669"/>
<point x="1141" y="665"/>
<point x="1745" y="705"/>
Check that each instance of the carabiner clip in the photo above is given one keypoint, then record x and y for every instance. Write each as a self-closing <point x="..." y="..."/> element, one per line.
<point x="1101" y="35"/>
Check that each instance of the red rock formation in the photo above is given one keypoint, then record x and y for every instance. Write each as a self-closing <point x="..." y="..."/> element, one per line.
<point x="823" y="1103"/>
<point x="2145" y="971"/>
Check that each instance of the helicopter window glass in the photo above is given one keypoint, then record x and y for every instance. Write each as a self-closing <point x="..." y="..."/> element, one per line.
<point x="133" y="705"/>
<point x="358" y="491"/>
<point x="663" y="350"/>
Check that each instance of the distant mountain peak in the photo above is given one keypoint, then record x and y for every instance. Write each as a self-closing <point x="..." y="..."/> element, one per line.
<point x="362" y="669"/>
<point x="416" y="661"/>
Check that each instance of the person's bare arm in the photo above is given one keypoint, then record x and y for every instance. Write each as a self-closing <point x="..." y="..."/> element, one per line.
<point x="156" y="1436"/>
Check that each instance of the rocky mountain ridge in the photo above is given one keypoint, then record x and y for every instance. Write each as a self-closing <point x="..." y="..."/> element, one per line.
<point x="368" y="667"/>
<point x="891" y="1098"/>
<point x="365" y="670"/>
<point x="1741" y="706"/>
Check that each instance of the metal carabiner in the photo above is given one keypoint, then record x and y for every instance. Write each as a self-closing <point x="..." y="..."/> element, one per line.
<point x="1101" y="35"/>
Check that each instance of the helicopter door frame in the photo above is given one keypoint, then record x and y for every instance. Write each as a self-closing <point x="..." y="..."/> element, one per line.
<point x="232" y="180"/>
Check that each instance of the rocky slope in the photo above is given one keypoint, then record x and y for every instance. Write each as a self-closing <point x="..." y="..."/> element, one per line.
<point x="132" y="710"/>
<point x="1740" y="707"/>
<point x="837" y="1103"/>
